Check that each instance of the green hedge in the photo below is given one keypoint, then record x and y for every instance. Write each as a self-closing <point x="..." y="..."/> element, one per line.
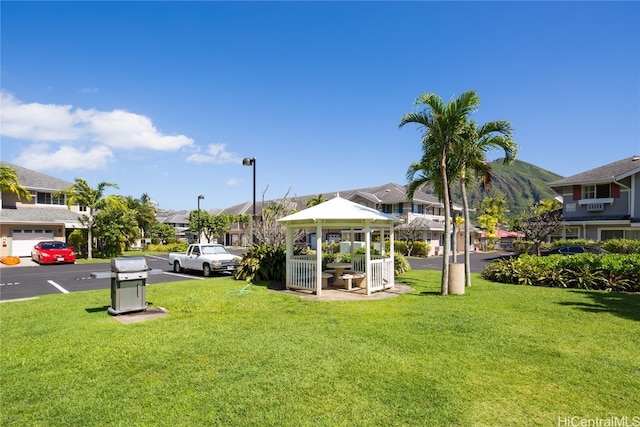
<point x="172" y="247"/>
<point x="420" y="249"/>
<point x="609" y="272"/>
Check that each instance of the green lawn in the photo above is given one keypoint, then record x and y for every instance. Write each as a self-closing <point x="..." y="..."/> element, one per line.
<point x="500" y="355"/>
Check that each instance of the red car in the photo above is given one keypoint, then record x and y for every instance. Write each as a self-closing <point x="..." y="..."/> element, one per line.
<point x="52" y="252"/>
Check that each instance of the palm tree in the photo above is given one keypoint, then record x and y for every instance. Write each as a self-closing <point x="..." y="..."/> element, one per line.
<point x="316" y="200"/>
<point x="9" y="182"/>
<point x="470" y="156"/>
<point x="80" y="193"/>
<point x="442" y="126"/>
<point x="145" y="212"/>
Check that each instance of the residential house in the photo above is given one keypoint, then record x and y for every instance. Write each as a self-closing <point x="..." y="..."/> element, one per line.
<point x="602" y="203"/>
<point x="24" y="223"/>
<point x="179" y="220"/>
<point x="425" y="213"/>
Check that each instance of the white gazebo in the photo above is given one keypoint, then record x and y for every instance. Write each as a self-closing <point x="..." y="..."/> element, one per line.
<point x="305" y="271"/>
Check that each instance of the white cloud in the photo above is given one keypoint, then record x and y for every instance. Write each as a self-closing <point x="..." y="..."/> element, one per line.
<point x="38" y="122"/>
<point x="62" y="123"/>
<point x="215" y="153"/>
<point x="233" y="182"/>
<point x="43" y="156"/>
<point x="121" y="129"/>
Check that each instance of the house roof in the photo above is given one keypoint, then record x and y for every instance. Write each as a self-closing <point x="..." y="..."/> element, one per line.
<point x="385" y="194"/>
<point x="32" y="180"/>
<point x="423" y="224"/>
<point x="339" y="209"/>
<point x="41" y="215"/>
<point x="602" y="174"/>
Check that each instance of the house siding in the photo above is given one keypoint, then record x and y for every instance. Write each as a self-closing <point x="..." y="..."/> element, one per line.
<point x="612" y="214"/>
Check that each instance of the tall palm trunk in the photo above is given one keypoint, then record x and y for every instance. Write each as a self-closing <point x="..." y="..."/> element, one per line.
<point x="454" y="244"/>
<point x="467" y="229"/>
<point x="444" y="285"/>
<point x="90" y="235"/>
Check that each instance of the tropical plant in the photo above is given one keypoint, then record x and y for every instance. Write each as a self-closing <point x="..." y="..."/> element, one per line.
<point x="116" y="228"/>
<point x="265" y="262"/>
<point x="470" y="155"/>
<point x="145" y="213"/>
<point x="10" y="183"/>
<point x="492" y="211"/>
<point x="93" y="199"/>
<point x="78" y="239"/>
<point x="161" y="231"/>
<point x="443" y="126"/>
<point x="316" y="200"/>
<point x="608" y="272"/>
<point x="400" y="264"/>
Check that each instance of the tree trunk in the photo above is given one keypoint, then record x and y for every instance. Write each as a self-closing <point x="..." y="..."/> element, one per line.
<point x="90" y="238"/>
<point x="444" y="285"/>
<point x="454" y="243"/>
<point x="467" y="231"/>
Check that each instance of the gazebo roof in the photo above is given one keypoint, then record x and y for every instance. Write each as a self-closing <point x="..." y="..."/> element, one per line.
<point x="339" y="209"/>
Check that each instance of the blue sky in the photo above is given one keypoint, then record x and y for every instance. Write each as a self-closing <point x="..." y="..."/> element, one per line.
<point x="167" y="98"/>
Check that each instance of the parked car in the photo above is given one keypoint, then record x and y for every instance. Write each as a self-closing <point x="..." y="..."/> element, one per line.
<point x="575" y="249"/>
<point x="52" y="252"/>
<point x="207" y="258"/>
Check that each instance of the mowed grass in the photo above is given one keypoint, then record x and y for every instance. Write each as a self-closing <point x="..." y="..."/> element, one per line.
<point x="500" y="355"/>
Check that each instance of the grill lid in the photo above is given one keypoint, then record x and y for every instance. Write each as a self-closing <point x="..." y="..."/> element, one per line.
<point x="128" y="264"/>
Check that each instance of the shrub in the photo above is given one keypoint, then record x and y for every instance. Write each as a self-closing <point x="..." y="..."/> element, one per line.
<point x="420" y="248"/>
<point x="265" y="262"/>
<point x="78" y="239"/>
<point x="400" y="264"/>
<point x="610" y="272"/>
<point x="172" y="247"/>
<point x="621" y="246"/>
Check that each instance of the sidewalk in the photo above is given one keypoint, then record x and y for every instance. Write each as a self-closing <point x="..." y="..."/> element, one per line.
<point x="24" y="262"/>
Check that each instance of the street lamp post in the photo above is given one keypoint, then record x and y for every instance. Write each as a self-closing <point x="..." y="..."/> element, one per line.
<point x="252" y="162"/>
<point x="200" y="197"/>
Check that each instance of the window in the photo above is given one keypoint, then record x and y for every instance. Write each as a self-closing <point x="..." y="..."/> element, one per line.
<point x="632" y="234"/>
<point x="611" y="234"/>
<point x="48" y="199"/>
<point x="601" y="191"/>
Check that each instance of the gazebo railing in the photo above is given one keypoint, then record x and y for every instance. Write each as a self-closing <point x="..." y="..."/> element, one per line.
<point x="302" y="272"/>
<point x="382" y="270"/>
<point x="382" y="276"/>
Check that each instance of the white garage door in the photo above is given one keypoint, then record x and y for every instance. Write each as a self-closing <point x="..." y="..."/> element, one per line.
<point x="25" y="239"/>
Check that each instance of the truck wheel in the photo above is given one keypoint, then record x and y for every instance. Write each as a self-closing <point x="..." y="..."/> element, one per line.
<point x="206" y="270"/>
<point x="176" y="267"/>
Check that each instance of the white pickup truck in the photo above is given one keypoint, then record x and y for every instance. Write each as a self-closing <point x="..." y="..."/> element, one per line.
<point x="205" y="257"/>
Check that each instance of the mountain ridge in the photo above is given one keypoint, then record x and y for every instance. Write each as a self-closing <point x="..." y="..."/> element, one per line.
<point x="523" y="185"/>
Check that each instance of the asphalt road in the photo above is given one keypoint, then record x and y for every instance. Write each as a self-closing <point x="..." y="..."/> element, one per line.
<point x="29" y="280"/>
<point x="478" y="261"/>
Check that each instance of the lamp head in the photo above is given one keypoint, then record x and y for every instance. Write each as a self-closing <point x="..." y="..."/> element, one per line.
<point x="248" y="161"/>
<point x="200" y="197"/>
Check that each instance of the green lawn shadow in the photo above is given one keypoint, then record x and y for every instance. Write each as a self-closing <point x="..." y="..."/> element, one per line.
<point x="623" y="305"/>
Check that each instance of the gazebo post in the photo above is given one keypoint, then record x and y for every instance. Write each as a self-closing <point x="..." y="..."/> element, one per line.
<point x="367" y="258"/>
<point x="319" y="259"/>
<point x="289" y="246"/>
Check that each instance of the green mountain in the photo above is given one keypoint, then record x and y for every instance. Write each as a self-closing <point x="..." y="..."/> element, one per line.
<point x="522" y="184"/>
